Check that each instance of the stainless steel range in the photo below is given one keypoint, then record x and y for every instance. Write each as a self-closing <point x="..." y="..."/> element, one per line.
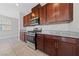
<point x="31" y="38"/>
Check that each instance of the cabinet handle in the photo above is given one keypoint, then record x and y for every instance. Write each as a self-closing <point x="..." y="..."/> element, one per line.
<point x="55" y="44"/>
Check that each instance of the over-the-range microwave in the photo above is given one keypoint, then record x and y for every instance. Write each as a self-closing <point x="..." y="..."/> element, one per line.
<point x="35" y="21"/>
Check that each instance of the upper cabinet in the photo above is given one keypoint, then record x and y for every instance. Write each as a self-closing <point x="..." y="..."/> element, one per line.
<point x="59" y="12"/>
<point x="65" y="12"/>
<point x="43" y="15"/>
<point x="51" y="13"/>
<point x="36" y="11"/>
<point x="26" y="20"/>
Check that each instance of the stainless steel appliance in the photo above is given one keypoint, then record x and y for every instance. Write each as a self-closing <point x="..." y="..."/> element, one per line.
<point x="35" y="21"/>
<point x="31" y="38"/>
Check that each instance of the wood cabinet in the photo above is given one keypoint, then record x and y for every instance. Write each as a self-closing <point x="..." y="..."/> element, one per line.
<point x="43" y="15"/>
<point x="25" y="37"/>
<point x="66" y="49"/>
<point x="26" y="20"/>
<point x="40" y="42"/>
<point x="59" y="12"/>
<point x="51" y="13"/>
<point x="49" y="45"/>
<point x="36" y="11"/>
<point x="65" y="12"/>
<point x="22" y="36"/>
<point x="77" y="47"/>
<point x="57" y="45"/>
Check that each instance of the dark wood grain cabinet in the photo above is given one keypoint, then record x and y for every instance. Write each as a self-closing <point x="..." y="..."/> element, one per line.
<point x="59" y="12"/>
<point x="57" y="45"/>
<point x="51" y="13"/>
<point x="43" y="15"/>
<point x="26" y="20"/>
<point x="65" y="12"/>
<point x="36" y="11"/>
<point x="49" y="45"/>
<point x="40" y="42"/>
<point x="66" y="46"/>
<point x="77" y="47"/>
<point x="23" y="36"/>
<point x="66" y="49"/>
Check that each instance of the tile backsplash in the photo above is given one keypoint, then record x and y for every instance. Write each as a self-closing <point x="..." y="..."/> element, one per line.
<point x="65" y="33"/>
<point x="62" y="33"/>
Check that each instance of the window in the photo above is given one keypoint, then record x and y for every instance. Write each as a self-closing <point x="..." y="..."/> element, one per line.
<point x="5" y="23"/>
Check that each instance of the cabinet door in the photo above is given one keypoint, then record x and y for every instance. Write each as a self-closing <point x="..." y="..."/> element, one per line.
<point x="40" y="42"/>
<point x="50" y="13"/>
<point x="59" y="12"/>
<point x="77" y="47"/>
<point x="26" y="20"/>
<point x="22" y="36"/>
<point x="25" y="36"/>
<point x="36" y="11"/>
<point x="49" y="46"/>
<point x="65" y="12"/>
<point x="77" y="50"/>
<point x="43" y="14"/>
<point x="66" y="49"/>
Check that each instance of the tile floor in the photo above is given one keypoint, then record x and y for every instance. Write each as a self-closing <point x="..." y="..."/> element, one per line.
<point x="15" y="47"/>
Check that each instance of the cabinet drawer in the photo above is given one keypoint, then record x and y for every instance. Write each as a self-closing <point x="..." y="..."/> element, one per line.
<point x="68" y="40"/>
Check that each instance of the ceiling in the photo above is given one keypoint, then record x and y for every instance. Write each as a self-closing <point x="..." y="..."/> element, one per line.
<point x="9" y="9"/>
<point x="25" y="8"/>
<point x="13" y="9"/>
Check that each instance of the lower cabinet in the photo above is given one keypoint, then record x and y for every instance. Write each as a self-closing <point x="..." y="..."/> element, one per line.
<point x="40" y="42"/>
<point x="49" y="45"/>
<point x="77" y="48"/>
<point x="22" y="36"/>
<point x="66" y="49"/>
<point x="56" y="46"/>
<point x="25" y="37"/>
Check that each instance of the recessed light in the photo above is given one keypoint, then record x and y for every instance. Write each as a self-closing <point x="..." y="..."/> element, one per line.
<point x="17" y="4"/>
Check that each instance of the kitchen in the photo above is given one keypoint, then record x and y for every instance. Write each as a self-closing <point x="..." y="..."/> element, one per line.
<point x="51" y="28"/>
<point x="39" y="29"/>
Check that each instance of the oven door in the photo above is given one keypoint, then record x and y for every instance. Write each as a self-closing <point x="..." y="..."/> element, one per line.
<point x="31" y="39"/>
<point x="31" y="42"/>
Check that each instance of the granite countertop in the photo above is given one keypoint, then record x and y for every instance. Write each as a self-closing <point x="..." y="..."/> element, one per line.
<point x="61" y="33"/>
